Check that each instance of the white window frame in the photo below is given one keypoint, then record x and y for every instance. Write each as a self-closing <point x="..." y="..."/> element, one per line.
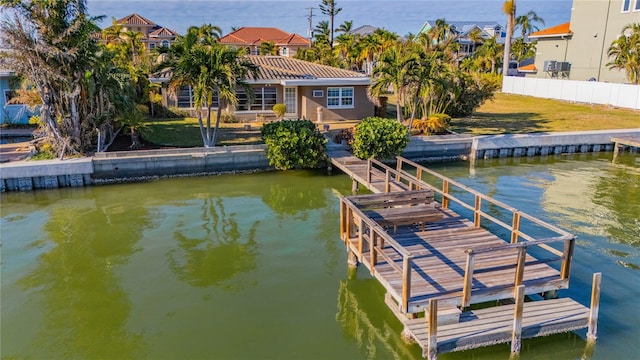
<point x="627" y="5"/>
<point x="284" y="51"/>
<point x="163" y="42"/>
<point x="636" y="7"/>
<point x="341" y="98"/>
<point x="318" y="93"/>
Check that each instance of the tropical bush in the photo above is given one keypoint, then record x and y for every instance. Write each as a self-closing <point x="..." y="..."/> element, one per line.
<point x="434" y="124"/>
<point x="279" y="110"/>
<point x="379" y="138"/>
<point x="228" y="118"/>
<point x="294" y="144"/>
<point x="471" y="91"/>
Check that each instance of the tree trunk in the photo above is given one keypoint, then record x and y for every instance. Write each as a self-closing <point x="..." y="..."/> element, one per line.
<point x="413" y="116"/>
<point x="202" y="130"/>
<point x="135" y="139"/>
<point x="507" y="41"/>
<point x="218" y="116"/>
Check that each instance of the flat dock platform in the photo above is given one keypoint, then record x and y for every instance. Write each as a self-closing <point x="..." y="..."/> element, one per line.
<point x="436" y="264"/>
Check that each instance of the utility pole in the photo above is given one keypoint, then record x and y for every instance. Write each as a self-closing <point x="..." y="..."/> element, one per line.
<point x="310" y="30"/>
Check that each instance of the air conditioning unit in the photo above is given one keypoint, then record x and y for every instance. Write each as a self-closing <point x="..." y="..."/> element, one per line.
<point x="564" y="66"/>
<point x="550" y="66"/>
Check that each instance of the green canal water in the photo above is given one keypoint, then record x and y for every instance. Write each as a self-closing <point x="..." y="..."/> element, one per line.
<point x="251" y="266"/>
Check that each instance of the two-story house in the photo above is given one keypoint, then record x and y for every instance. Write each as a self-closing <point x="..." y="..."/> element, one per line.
<point x="252" y="37"/>
<point x="578" y="49"/>
<point x="463" y="31"/>
<point x="154" y="35"/>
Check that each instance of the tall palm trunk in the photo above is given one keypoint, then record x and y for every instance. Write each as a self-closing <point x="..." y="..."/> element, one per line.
<point x="509" y="9"/>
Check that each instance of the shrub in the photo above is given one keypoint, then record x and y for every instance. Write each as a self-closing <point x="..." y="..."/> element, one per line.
<point x="379" y="138"/>
<point x="471" y="91"/>
<point x="228" y="118"/>
<point x="279" y="110"/>
<point x="434" y="124"/>
<point x="344" y="135"/>
<point x="294" y="144"/>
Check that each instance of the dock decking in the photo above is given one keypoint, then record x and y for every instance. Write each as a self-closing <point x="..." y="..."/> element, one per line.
<point x="436" y="264"/>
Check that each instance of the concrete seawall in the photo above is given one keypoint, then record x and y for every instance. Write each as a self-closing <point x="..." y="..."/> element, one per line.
<point x="438" y="148"/>
<point x="127" y="164"/>
<point x="133" y="165"/>
<point x="515" y="145"/>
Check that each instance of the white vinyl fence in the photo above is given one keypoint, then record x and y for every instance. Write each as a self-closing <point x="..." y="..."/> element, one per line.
<point x="591" y="92"/>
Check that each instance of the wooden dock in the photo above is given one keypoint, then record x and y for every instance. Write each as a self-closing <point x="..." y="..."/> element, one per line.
<point x="438" y="266"/>
<point x="624" y="141"/>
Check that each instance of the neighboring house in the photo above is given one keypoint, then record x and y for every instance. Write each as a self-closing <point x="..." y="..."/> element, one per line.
<point x="154" y="35"/>
<point x="578" y="49"/>
<point x="363" y="30"/>
<point x="10" y="113"/>
<point x="302" y="86"/>
<point x="251" y="38"/>
<point x="462" y="29"/>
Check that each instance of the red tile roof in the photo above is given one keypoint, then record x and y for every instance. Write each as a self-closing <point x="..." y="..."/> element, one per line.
<point x="558" y="30"/>
<point x="257" y="35"/>
<point x="135" y="19"/>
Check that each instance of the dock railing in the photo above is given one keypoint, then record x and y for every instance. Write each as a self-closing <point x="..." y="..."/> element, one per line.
<point x="372" y="239"/>
<point x="519" y="244"/>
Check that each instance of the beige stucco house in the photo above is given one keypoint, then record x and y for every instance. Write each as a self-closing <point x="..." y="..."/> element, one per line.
<point x="302" y="86"/>
<point x="578" y="50"/>
<point x="154" y="35"/>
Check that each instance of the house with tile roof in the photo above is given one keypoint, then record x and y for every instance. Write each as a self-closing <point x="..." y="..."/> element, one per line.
<point x="578" y="49"/>
<point x="463" y="30"/>
<point x="252" y="37"/>
<point x="302" y="86"/>
<point x="154" y="35"/>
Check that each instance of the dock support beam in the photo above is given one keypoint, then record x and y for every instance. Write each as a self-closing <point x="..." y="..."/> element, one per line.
<point x="516" y="336"/>
<point x="354" y="186"/>
<point x="592" y="332"/>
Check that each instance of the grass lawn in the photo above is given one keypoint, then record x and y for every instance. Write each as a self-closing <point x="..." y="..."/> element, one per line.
<point x="185" y="132"/>
<point x="509" y="113"/>
<point x="506" y="114"/>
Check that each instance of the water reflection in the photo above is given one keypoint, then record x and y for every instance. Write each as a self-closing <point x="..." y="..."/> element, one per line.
<point x="619" y="191"/>
<point x="215" y="253"/>
<point x="365" y="320"/>
<point x="83" y="305"/>
<point x="294" y="199"/>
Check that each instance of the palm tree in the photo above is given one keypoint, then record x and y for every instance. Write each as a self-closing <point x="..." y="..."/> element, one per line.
<point x="625" y="51"/>
<point x="509" y="8"/>
<point x="526" y="23"/>
<point x="134" y="43"/>
<point x="213" y="69"/>
<point x="321" y="34"/>
<point x="328" y="7"/>
<point x="490" y="51"/>
<point x="268" y="48"/>
<point x="345" y="27"/>
<point x="346" y="49"/>
<point x="393" y="70"/>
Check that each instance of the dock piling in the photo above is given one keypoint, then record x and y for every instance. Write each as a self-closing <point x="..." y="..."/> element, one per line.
<point x="592" y="332"/>
<point x="516" y="336"/>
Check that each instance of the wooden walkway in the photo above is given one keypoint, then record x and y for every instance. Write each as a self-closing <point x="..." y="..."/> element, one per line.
<point x="436" y="264"/>
<point x="624" y="141"/>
